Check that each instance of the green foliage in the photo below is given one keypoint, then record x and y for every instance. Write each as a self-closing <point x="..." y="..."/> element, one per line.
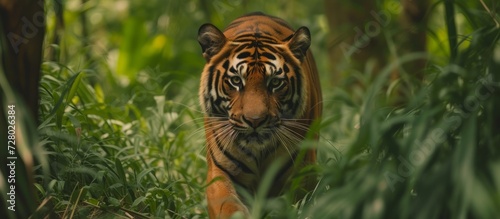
<point x="123" y="133"/>
<point x="436" y="157"/>
<point x="129" y="157"/>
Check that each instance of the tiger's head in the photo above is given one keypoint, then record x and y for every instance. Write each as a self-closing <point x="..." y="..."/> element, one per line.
<point x="253" y="87"/>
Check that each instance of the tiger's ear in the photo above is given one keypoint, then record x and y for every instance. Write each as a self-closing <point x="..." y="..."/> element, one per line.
<point x="211" y="40"/>
<point x="299" y="42"/>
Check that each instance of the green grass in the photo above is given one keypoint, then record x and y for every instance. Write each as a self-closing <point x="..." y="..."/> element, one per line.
<point x="134" y="153"/>
<point x="128" y="140"/>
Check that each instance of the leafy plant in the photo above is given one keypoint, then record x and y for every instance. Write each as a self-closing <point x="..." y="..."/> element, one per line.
<point x="123" y="135"/>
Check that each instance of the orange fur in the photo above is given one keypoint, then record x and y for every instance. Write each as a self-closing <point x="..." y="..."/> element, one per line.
<point x="258" y="97"/>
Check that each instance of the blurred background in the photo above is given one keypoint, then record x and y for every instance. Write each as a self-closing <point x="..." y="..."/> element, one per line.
<point x="410" y="89"/>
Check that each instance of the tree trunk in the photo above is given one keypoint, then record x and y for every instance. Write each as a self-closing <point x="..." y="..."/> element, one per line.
<point x="359" y="32"/>
<point x="356" y="36"/>
<point x="21" y="36"/>
<point x="23" y="23"/>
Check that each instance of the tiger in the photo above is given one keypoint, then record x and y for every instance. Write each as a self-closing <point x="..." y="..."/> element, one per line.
<point x="259" y="92"/>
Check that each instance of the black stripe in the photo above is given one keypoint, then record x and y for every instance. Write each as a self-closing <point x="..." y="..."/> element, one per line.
<point x="269" y="63"/>
<point x="226" y="64"/>
<point x="217" y="105"/>
<point x="235" y="161"/>
<point x="243" y="55"/>
<point x="210" y="78"/>
<point x="271" y="48"/>
<point x="268" y="55"/>
<point x="221" y="167"/>
<point x="255" y="37"/>
<point x="214" y="78"/>
<point x="262" y="46"/>
<point x="286" y="69"/>
<point x="208" y="104"/>
<point x="248" y="153"/>
<point x="280" y="70"/>
<point x="239" y="48"/>
<point x="231" y="177"/>
<point x="213" y="67"/>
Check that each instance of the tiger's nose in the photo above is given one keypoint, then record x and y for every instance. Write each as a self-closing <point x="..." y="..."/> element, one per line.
<point x="254" y="121"/>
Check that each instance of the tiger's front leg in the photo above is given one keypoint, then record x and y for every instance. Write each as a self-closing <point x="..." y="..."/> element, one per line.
<point x="222" y="198"/>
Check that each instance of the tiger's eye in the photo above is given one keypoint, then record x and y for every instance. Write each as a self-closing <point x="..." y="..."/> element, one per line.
<point x="236" y="80"/>
<point x="275" y="82"/>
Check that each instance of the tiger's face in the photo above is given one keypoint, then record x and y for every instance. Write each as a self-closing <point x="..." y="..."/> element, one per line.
<point x="252" y="86"/>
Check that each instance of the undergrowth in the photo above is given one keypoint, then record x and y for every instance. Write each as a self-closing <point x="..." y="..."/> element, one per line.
<point x="128" y="141"/>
